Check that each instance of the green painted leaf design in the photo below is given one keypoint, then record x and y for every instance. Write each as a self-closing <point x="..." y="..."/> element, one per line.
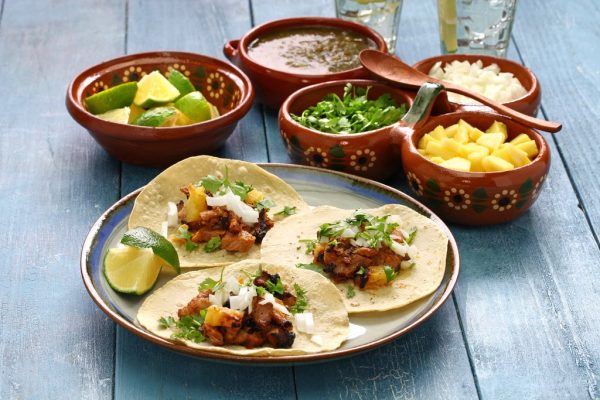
<point x="432" y="185"/>
<point x="337" y="151"/>
<point x="526" y="186"/>
<point x="479" y="208"/>
<point x="116" y="79"/>
<point x="480" y="194"/>
<point x="200" y="72"/>
<point x="521" y="203"/>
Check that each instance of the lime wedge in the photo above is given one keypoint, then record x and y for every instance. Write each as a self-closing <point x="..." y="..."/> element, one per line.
<point x="146" y="238"/>
<point x="119" y="115"/>
<point x="158" y="117"/>
<point x="154" y="90"/>
<point x="131" y="270"/>
<point x="447" y="21"/>
<point x="135" y="113"/>
<point x="116" y="97"/>
<point x="195" y="106"/>
<point x="214" y="112"/>
<point x="181" y="82"/>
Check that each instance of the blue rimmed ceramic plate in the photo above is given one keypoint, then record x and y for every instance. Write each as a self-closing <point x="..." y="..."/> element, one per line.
<point x="317" y="187"/>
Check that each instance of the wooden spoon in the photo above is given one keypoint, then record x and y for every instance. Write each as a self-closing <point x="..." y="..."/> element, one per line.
<point x="392" y="69"/>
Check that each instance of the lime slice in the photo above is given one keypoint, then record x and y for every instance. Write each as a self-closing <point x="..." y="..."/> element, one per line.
<point x="146" y="238"/>
<point x="182" y="119"/>
<point x="214" y="111"/>
<point x="447" y="21"/>
<point x="116" y="97"/>
<point x="135" y="113"/>
<point x="195" y="106"/>
<point x="119" y="115"/>
<point x="181" y="82"/>
<point x="154" y="90"/>
<point x="158" y="117"/>
<point x="131" y="270"/>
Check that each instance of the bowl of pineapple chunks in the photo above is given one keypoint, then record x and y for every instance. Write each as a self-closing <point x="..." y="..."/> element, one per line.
<point x="475" y="167"/>
<point x="156" y="108"/>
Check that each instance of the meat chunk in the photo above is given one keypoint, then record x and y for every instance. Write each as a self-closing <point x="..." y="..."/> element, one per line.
<point x="280" y="338"/>
<point x="198" y="303"/>
<point x="262" y="314"/>
<point x="213" y="335"/>
<point x="241" y="241"/>
<point x="204" y="235"/>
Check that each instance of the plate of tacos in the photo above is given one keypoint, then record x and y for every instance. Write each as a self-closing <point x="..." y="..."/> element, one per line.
<point x="277" y="263"/>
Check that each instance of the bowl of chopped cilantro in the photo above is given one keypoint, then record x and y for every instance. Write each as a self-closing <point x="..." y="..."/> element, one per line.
<point x="345" y="125"/>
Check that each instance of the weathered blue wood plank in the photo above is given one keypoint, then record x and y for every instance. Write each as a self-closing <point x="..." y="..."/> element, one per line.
<point x="200" y="27"/>
<point x="432" y="361"/>
<point x="142" y="369"/>
<point x="54" y="182"/>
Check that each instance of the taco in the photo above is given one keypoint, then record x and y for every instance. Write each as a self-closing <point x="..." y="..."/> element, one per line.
<point x="248" y="308"/>
<point x="380" y="259"/>
<point x="215" y="211"/>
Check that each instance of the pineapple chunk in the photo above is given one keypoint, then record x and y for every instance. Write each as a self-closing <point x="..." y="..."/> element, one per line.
<point x="422" y="152"/>
<point x="476" y="158"/>
<point x="221" y="316"/>
<point x="457" y="163"/>
<point x="475" y="134"/>
<point x="530" y="148"/>
<point x="515" y="155"/>
<point x="424" y="140"/>
<point x="435" y="148"/>
<point x="491" y="140"/>
<point x="438" y="133"/>
<point x="498" y="127"/>
<point x="437" y="160"/>
<point x="196" y="202"/>
<point x="254" y="196"/>
<point x="462" y="134"/>
<point x="465" y="124"/>
<point x="377" y="278"/>
<point x="473" y="148"/>
<point x="452" y="147"/>
<point x="521" y="138"/>
<point x="495" y="164"/>
<point x="451" y="130"/>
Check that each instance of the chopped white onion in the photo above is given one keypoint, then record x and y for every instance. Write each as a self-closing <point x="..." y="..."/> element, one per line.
<point x="399" y="248"/>
<point x="359" y="242"/>
<point x="218" y="298"/>
<point x="234" y="204"/>
<point x="317" y="339"/>
<point x="164" y="228"/>
<point x="406" y="264"/>
<point x="349" y="233"/>
<point x="172" y="214"/>
<point x="489" y="81"/>
<point x="305" y="322"/>
<point x="268" y="298"/>
<point x="232" y="285"/>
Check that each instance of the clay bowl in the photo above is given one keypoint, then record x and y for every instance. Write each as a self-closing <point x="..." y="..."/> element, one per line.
<point x="273" y="86"/>
<point x="474" y="198"/>
<point x="224" y="85"/>
<point x="528" y="104"/>
<point x="369" y="154"/>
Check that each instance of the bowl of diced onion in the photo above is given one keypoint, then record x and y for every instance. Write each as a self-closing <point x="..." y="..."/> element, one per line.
<point x="504" y="81"/>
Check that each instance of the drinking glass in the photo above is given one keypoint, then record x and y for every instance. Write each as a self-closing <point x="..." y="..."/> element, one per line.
<point x="381" y="15"/>
<point x="476" y="26"/>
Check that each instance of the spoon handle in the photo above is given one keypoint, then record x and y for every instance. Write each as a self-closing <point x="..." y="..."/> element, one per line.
<point x="543" y="125"/>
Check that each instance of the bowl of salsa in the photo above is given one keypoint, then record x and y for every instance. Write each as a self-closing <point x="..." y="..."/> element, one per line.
<point x="285" y="55"/>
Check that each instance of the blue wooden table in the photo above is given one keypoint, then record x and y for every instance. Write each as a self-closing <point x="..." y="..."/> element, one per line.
<point x="524" y="319"/>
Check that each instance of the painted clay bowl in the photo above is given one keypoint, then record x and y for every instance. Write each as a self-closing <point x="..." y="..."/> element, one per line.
<point x="273" y="86"/>
<point x="224" y="85"/>
<point x="528" y="104"/>
<point x="473" y="198"/>
<point x="369" y="154"/>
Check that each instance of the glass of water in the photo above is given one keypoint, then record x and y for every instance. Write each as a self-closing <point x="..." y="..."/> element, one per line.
<point x="476" y="26"/>
<point x="380" y="15"/>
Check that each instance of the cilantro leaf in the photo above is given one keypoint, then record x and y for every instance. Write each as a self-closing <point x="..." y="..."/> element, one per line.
<point x="211" y="183"/>
<point x="266" y="203"/>
<point x="183" y="233"/>
<point x="213" y="244"/>
<point x="287" y="211"/>
<point x="240" y="189"/>
<point x="188" y="327"/>
<point x="361" y="271"/>
<point x="261" y="291"/>
<point x="310" y="245"/>
<point x="350" y="293"/>
<point x="275" y="287"/>
<point x="210" y="283"/>
<point x="411" y="235"/>
<point x="301" y="300"/>
<point x="311" y="267"/>
<point x="390" y="273"/>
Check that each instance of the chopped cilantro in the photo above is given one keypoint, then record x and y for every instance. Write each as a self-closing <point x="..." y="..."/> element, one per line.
<point x="287" y="211"/>
<point x="312" y="267"/>
<point x="275" y="287"/>
<point x="215" y="185"/>
<point x="350" y="293"/>
<point x="390" y="273"/>
<point x="213" y="244"/>
<point x="188" y="327"/>
<point x="211" y="183"/>
<point x="261" y="291"/>
<point x="310" y="245"/>
<point x="210" y="283"/>
<point x="266" y="203"/>
<point x="411" y="235"/>
<point x="361" y="271"/>
<point x="301" y="300"/>
<point x="240" y="189"/>
<point x="183" y="233"/>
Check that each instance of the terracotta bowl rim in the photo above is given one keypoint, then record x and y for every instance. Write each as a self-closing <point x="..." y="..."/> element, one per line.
<point x="127" y="132"/>
<point x="544" y="150"/>
<point x="531" y="92"/>
<point x="284" y="111"/>
<point x="249" y="36"/>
